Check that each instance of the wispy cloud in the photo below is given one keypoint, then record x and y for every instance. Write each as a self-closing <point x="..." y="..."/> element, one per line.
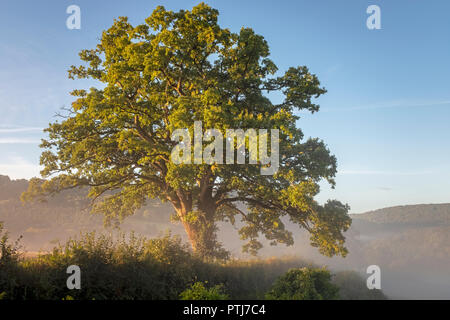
<point x="384" y="173"/>
<point x="19" y="129"/>
<point x="333" y="69"/>
<point x="394" y="104"/>
<point x="19" y="141"/>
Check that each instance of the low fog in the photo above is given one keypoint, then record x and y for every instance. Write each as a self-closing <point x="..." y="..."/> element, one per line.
<point x="411" y="244"/>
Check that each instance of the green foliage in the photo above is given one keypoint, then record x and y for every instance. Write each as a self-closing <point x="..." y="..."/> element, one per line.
<point x="124" y="268"/>
<point x="138" y="268"/>
<point x="9" y="260"/>
<point x="304" y="284"/>
<point x="352" y="286"/>
<point x="132" y="268"/>
<point x="8" y="252"/>
<point x="163" y="75"/>
<point x="198" y="291"/>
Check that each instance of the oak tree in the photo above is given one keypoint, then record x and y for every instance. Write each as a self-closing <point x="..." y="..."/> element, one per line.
<point x="163" y="75"/>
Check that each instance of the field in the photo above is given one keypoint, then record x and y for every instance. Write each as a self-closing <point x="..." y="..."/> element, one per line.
<point x="138" y="268"/>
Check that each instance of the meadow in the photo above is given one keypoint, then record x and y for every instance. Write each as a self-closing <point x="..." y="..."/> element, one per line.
<point x="131" y="267"/>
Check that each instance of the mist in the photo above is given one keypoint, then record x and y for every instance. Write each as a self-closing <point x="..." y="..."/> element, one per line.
<point x="410" y="244"/>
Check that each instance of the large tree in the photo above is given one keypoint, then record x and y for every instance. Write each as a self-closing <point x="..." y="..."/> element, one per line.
<point x="178" y="68"/>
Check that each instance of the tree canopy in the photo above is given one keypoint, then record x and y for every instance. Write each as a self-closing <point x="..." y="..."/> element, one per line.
<point x="163" y="75"/>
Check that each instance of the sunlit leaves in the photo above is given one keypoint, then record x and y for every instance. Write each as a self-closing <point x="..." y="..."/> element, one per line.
<point x="163" y="75"/>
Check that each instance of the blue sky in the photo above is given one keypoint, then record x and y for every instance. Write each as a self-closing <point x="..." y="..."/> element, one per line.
<point x="385" y="116"/>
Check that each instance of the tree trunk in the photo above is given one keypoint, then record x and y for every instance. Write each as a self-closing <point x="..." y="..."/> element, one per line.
<point x="201" y="230"/>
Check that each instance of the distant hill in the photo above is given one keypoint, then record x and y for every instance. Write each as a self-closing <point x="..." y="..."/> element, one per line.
<point x="9" y="189"/>
<point x="387" y="222"/>
<point x="411" y="215"/>
<point x="65" y="215"/>
<point x="411" y="244"/>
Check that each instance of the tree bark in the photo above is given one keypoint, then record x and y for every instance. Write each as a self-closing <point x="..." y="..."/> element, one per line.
<point x="201" y="230"/>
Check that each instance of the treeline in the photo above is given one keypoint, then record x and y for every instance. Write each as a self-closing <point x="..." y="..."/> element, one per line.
<point x="42" y="224"/>
<point x="422" y="215"/>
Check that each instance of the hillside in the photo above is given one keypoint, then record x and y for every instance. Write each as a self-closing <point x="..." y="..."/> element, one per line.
<point x="412" y="237"/>
<point x="43" y="224"/>
<point x="411" y="244"/>
<point x="412" y="215"/>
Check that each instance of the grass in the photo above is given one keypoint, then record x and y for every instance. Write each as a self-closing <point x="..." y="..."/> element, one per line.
<point x="138" y="268"/>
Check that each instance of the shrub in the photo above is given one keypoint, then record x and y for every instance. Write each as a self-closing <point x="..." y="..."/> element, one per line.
<point x="198" y="291"/>
<point x="9" y="263"/>
<point x="9" y="253"/>
<point x="130" y="267"/>
<point x="125" y="268"/>
<point x="352" y="286"/>
<point x="304" y="284"/>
